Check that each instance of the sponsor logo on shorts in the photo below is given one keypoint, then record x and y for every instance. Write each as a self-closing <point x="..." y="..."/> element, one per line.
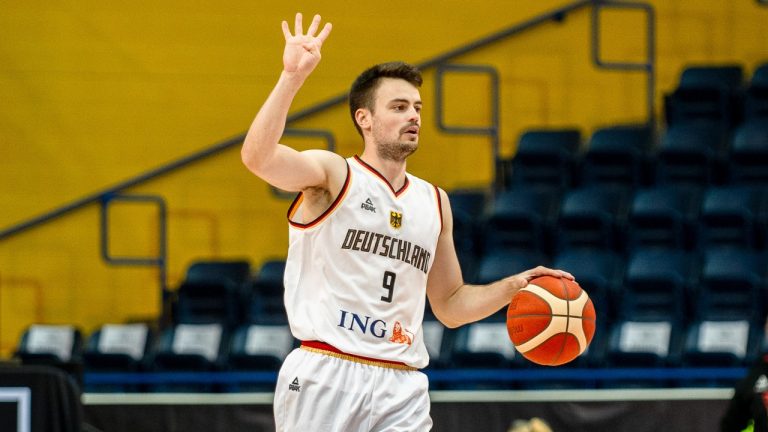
<point x="761" y="385"/>
<point x="294" y="386"/>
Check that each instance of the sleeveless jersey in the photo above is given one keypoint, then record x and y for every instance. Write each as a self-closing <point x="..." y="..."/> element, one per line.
<point x="356" y="276"/>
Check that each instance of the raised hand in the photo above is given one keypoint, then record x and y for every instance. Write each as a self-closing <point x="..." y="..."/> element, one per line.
<point x="302" y="51"/>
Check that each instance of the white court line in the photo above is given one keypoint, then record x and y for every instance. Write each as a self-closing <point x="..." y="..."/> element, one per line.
<point x="582" y="395"/>
<point x="178" y="398"/>
<point x="435" y="396"/>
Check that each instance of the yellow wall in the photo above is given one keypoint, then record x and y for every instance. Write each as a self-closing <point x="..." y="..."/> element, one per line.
<point x="94" y="93"/>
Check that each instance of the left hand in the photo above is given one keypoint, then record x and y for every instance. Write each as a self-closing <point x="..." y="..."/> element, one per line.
<point x="521" y="280"/>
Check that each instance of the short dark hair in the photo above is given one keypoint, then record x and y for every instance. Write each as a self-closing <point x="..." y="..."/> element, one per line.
<point x="365" y="85"/>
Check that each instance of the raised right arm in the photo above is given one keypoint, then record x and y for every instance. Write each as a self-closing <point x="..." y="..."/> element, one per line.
<point x="277" y="164"/>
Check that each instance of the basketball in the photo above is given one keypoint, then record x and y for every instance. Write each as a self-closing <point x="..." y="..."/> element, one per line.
<point x="551" y="321"/>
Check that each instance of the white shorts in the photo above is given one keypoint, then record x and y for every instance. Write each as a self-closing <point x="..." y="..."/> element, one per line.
<point x="319" y="392"/>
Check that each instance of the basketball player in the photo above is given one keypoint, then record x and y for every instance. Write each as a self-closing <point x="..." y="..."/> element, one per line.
<point x="368" y="242"/>
<point x="748" y="408"/>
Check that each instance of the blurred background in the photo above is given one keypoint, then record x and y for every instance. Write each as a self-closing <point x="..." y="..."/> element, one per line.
<point x="101" y="100"/>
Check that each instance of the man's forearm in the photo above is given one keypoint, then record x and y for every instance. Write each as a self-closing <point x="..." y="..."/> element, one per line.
<point x="268" y="126"/>
<point x="470" y="303"/>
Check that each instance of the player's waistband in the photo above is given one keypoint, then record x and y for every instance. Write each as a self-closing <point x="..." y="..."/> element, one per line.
<point x="330" y="350"/>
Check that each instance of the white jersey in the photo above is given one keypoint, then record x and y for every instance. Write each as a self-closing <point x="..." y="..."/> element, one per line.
<point x="356" y="276"/>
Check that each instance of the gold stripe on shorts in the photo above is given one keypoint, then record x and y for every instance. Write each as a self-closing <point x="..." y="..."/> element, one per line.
<point x="356" y="359"/>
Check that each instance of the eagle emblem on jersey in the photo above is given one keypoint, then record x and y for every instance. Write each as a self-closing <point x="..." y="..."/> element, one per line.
<point x="395" y="219"/>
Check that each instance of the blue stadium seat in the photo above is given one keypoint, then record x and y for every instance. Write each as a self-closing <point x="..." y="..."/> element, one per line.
<point x="748" y="161"/>
<point x="59" y="346"/>
<point x="212" y="291"/>
<point x="439" y="342"/>
<point x="522" y="218"/>
<point x="664" y="216"/>
<point x="732" y="216"/>
<point x="484" y="344"/>
<point x="117" y="348"/>
<point x="545" y="159"/>
<point x="691" y="154"/>
<point x="617" y="156"/>
<point x="190" y="348"/>
<point x="259" y="347"/>
<point x="657" y="284"/>
<point x="732" y="285"/>
<point x="468" y="203"/>
<point x="236" y="271"/>
<point x="205" y="301"/>
<point x="756" y="99"/>
<point x="499" y="264"/>
<point x="266" y="304"/>
<point x="644" y="343"/>
<point x="707" y="93"/>
<point x="468" y="209"/>
<point x="592" y="217"/>
<point x="720" y="343"/>
<point x="50" y="344"/>
<point x="712" y="76"/>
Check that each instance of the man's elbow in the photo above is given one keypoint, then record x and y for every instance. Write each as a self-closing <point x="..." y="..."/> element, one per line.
<point x="248" y="160"/>
<point x="252" y="159"/>
<point x="451" y="324"/>
<point x="447" y="320"/>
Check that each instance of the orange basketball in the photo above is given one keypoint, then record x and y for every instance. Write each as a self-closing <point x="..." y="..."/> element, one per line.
<point x="551" y="321"/>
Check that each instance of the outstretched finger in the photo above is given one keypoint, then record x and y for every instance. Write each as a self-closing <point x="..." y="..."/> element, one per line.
<point x="325" y="32"/>
<point x="286" y="30"/>
<point x="297" y="30"/>
<point x="313" y="26"/>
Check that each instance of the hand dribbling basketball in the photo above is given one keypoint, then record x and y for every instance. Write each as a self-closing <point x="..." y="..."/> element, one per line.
<point x="551" y="321"/>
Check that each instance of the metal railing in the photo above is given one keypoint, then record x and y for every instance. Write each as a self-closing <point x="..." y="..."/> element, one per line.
<point x="557" y="15"/>
<point x="443" y="66"/>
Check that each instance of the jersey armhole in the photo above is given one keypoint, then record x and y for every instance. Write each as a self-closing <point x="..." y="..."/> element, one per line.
<point x="293" y="209"/>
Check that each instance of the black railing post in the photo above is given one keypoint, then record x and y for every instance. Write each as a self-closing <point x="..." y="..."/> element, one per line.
<point x="491" y="130"/>
<point x="159" y="261"/>
<point x="649" y="66"/>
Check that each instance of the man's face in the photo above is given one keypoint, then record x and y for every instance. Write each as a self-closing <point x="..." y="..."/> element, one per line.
<point x="396" y="119"/>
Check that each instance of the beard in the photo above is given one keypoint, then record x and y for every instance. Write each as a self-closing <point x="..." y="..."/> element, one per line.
<point x="396" y="151"/>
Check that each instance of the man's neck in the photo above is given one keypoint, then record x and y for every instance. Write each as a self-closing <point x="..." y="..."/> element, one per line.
<point x="393" y="171"/>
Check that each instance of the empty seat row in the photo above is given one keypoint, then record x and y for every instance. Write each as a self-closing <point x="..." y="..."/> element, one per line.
<point x="141" y="348"/>
<point x="628" y="156"/>
<point x="645" y="344"/>
<point x="715" y="126"/>
<point x="717" y="282"/>
<point x="549" y="223"/>
<point x="483" y="345"/>
<point x="229" y="293"/>
<point x="719" y="95"/>
<point x="656" y="283"/>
